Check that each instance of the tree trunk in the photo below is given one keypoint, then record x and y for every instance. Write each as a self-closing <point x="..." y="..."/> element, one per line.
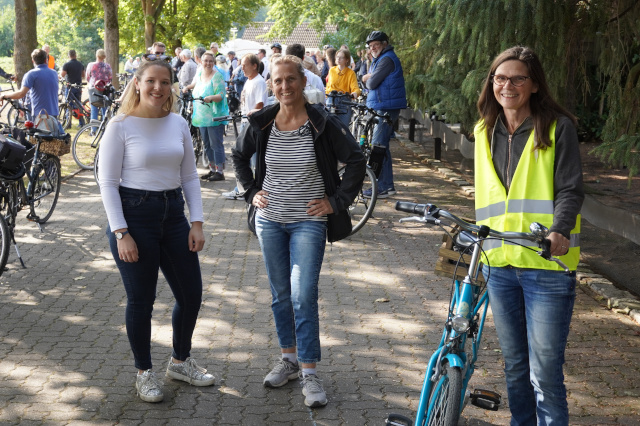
<point x="112" y="36"/>
<point x="25" y="38"/>
<point x="151" y="10"/>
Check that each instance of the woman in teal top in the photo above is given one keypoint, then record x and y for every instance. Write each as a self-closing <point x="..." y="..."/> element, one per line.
<point x="209" y="84"/>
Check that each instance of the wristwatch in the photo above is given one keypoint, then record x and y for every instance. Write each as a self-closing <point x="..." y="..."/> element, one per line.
<point x="119" y="235"/>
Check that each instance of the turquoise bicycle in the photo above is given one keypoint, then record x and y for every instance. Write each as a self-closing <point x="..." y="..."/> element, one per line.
<point x="444" y="391"/>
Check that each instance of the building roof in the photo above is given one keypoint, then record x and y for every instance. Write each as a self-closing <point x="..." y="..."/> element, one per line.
<point x="302" y="34"/>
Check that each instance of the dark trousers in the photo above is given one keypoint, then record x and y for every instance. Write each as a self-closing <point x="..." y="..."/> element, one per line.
<point x="157" y="223"/>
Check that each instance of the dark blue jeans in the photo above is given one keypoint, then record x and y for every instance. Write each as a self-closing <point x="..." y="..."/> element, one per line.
<point x="157" y="223"/>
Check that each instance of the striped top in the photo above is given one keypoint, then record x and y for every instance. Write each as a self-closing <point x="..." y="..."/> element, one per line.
<point x="292" y="178"/>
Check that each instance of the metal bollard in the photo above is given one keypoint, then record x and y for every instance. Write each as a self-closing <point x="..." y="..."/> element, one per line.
<point x="437" y="148"/>
<point x="412" y="129"/>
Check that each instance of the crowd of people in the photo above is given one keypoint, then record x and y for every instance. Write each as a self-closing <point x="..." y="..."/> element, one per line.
<point x="527" y="168"/>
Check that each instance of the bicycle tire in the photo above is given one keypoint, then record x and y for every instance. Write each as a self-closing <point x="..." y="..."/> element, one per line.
<point x="5" y="244"/>
<point x="84" y="145"/>
<point x="46" y="188"/>
<point x="444" y="400"/>
<point x="64" y="116"/>
<point x="362" y="208"/>
<point x="14" y="119"/>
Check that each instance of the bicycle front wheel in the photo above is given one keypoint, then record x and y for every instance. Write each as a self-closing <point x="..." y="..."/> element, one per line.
<point x="46" y="188"/>
<point x="64" y="116"/>
<point x="362" y="207"/>
<point x="444" y="401"/>
<point x="95" y="168"/>
<point x="4" y="243"/>
<point x="84" y="145"/>
<point x="16" y="118"/>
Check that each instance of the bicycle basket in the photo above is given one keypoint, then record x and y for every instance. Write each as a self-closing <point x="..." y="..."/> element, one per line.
<point x="57" y="147"/>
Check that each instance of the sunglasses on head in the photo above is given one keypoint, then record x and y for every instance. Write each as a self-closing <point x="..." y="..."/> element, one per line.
<point x="156" y="57"/>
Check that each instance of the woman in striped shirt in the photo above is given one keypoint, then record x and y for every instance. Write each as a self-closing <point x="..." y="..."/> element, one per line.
<point x="301" y="202"/>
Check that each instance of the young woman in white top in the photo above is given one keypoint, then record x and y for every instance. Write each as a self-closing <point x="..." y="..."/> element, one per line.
<point x="146" y="164"/>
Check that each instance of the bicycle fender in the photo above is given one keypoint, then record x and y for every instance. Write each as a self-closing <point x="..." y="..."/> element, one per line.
<point x="454" y="360"/>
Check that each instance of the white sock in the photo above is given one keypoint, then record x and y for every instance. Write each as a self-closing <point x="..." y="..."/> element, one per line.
<point x="308" y="371"/>
<point x="290" y="357"/>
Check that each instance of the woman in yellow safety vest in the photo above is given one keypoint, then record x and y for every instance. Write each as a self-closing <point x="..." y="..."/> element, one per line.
<point x="527" y="169"/>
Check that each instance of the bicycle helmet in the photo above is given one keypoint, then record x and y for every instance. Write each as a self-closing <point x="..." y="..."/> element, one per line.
<point x="276" y="45"/>
<point x="377" y="36"/>
<point x="100" y="85"/>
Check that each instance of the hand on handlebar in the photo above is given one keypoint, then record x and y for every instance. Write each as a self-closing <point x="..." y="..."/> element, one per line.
<point x="559" y="244"/>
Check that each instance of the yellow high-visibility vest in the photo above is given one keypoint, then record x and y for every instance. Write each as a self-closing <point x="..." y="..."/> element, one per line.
<point x="530" y="199"/>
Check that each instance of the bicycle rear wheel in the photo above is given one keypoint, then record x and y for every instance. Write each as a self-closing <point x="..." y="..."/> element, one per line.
<point x="84" y="146"/>
<point x="444" y="401"/>
<point x="16" y="119"/>
<point x="95" y="168"/>
<point x="362" y="208"/>
<point x="46" y="188"/>
<point x="4" y="243"/>
<point x="64" y="116"/>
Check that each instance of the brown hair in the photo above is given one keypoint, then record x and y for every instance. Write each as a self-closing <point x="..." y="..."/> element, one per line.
<point x="346" y="54"/>
<point x="131" y="99"/>
<point x="544" y="110"/>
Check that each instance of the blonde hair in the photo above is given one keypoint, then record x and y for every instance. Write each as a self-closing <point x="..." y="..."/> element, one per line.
<point x="100" y="53"/>
<point x="290" y="60"/>
<point x="131" y="97"/>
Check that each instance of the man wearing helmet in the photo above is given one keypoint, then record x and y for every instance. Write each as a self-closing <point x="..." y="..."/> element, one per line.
<point x="387" y="94"/>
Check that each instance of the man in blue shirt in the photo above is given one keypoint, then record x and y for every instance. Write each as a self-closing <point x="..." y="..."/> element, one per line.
<point x="42" y="85"/>
<point x="387" y="94"/>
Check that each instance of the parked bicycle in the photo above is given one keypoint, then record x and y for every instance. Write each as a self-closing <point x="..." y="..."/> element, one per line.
<point x="71" y="107"/>
<point x="17" y="112"/>
<point x="186" y="111"/>
<point x="444" y="392"/>
<point x="87" y="140"/>
<point x="39" y="194"/>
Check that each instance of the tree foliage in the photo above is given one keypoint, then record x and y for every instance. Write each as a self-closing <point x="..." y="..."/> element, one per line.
<point x="589" y="49"/>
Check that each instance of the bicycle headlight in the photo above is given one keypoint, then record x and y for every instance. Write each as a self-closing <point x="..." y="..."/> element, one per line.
<point x="460" y="324"/>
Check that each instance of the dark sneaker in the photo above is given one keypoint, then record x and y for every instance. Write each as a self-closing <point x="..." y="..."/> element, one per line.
<point x="315" y="395"/>
<point x="216" y="176"/>
<point x="189" y="372"/>
<point x="280" y="375"/>
<point x="148" y="387"/>
<point x="207" y="176"/>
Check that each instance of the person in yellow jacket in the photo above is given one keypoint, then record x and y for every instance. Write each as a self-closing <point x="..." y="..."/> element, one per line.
<point x="342" y="79"/>
<point x="527" y="169"/>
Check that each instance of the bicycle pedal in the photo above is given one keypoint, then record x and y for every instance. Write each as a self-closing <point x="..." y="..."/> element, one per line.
<point x="398" y="420"/>
<point x="486" y="399"/>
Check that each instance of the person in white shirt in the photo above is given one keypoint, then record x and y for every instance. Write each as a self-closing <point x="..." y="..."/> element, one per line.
<point x="262" y="55"/>
<point x="146" y="164"/>
<point x="253" y="98"/>
<point x="312" y="79"/>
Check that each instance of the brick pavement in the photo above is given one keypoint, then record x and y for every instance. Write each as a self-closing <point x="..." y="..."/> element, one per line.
<point x="65" y="359"/>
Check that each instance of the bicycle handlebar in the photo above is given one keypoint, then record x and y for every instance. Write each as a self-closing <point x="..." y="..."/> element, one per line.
<point x="430" y="213"/>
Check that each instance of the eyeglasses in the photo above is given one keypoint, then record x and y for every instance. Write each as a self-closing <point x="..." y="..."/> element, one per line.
<point x="516" y="80"/>
<point x="156" y="57"/>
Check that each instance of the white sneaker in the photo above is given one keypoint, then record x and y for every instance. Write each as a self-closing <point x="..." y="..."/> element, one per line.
<point x="148" y="387"/>
<point x="315" y="395"/>
<point x="189" y="372"/>
<point x="233" y="195"/>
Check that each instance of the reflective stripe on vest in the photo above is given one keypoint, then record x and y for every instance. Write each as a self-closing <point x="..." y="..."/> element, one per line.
<point x="530" y="199"/>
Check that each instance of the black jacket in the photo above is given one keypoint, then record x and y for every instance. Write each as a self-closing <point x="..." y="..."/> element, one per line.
<point x="332" y="141"/>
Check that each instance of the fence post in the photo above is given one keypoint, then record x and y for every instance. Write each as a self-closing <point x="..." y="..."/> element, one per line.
<point x="437" y="148"/>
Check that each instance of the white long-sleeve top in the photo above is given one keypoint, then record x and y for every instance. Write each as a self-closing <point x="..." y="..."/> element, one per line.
<point x="153" y="154"/>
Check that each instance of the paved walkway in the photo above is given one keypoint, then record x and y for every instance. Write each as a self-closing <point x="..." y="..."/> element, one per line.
<point x="65" y="358"/>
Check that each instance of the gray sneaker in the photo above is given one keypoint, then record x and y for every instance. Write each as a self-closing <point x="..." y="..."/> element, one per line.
<point x="148" y="387"/>
<point x="233" y="195"/>
<point x="313" y="391"/>
<point x="280" y="375"/>
<point x="190" y="372"/>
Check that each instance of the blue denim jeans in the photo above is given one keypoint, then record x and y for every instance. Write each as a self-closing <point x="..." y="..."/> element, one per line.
<point x="532" y="311"/>
<point x="94" y="114"/>
<point x="157" y="223"/>
<point x="381" y="136"/>
<point x="213" y="138"/>
<point x="293" y="254"/>
<point x="344" y="112"/>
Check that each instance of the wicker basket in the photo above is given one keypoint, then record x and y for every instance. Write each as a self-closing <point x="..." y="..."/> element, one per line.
<point x="448" y="258"/>
<point x="57" y="147"/>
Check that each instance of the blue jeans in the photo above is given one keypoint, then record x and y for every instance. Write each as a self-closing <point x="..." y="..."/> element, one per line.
<point x="293" y="255"/>
<point x="157" y="223"/>
<point x="94" y="114"/>
<point x="344" y="112"/>
<point x="213" y="138"/>
<point x="381" y="136"/>
<point x="532" y="311"/>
